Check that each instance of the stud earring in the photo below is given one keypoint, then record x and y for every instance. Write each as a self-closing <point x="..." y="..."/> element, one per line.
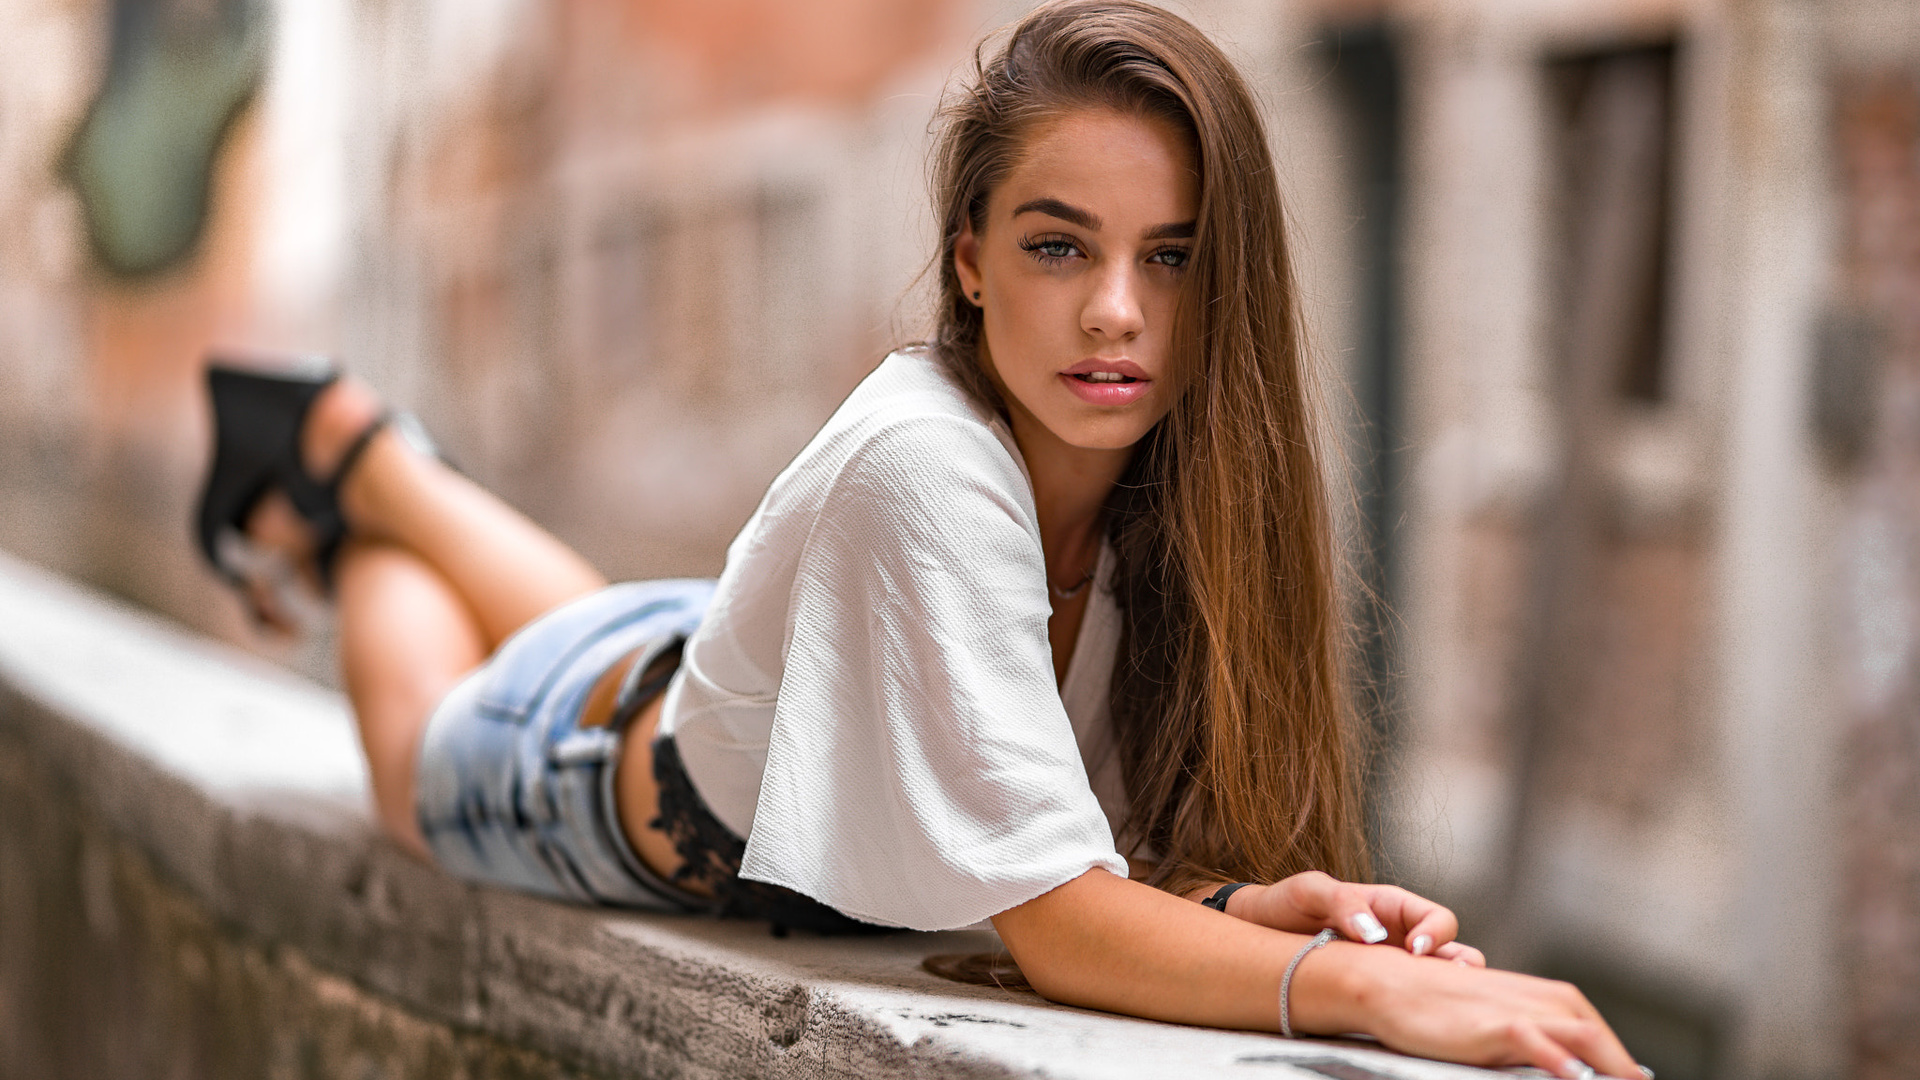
<point x="976" y="296"/>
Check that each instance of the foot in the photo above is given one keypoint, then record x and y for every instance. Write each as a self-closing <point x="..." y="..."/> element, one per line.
<point x="283" y="538"/>
<point x="339" y="415"/>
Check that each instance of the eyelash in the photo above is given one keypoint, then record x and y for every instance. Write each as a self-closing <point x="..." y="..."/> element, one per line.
<point x="1036" y="248"/>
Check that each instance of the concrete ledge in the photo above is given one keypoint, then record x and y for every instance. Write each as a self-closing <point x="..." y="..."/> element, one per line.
<point x="191" y="885"/>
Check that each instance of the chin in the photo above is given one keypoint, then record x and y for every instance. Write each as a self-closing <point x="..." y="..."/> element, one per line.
<point x="1105" y="437"/>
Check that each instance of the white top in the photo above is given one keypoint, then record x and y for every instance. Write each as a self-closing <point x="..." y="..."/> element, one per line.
<point x="870" y="699"/>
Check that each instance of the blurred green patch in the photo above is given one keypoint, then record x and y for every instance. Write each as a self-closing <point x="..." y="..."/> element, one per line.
<point x="142" y="162"/>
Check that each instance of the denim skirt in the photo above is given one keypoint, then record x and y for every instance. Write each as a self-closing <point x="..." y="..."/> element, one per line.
<point x="512" y="791"/>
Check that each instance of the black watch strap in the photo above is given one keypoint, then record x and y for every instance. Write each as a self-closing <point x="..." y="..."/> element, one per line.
<point x="1218" y="901"/>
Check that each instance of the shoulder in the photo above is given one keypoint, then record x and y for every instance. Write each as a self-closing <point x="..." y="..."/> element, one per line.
<point x="911" y="393"/>
<point x="907" y="437"/>
<point x="929" y="452"/>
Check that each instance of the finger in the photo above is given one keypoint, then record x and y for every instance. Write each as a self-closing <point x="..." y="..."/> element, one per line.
<point x="1461" y="953"/>
<point x="1594" y="1043"/>
<point x="1535" y="1047"/>
<point x="1353" y="907"/>
<point x="1426" y="920"/>
<point x="1410" y="917"/>
<point x="1411" y="920"/>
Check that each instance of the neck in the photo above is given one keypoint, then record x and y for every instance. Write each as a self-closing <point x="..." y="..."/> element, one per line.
<point x="1070" y="486"/>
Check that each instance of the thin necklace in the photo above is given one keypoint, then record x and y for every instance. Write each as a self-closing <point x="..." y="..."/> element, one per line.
<point x="1079" y="587"/>
<point x="1068" y="594"/>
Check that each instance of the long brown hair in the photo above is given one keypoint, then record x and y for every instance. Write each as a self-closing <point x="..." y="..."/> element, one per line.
<point x="1230" y="702"/>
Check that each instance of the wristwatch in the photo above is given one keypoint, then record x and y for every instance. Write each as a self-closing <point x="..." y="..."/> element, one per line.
<point x="1218" y="901"/>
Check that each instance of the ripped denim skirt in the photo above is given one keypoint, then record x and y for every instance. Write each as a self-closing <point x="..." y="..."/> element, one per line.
<point x="512" y="791"/>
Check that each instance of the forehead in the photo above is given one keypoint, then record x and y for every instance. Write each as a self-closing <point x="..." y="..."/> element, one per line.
<point x="1126" y="169"/>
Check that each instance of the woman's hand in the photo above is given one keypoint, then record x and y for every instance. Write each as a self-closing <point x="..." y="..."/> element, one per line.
<point x="1372" y="914"/>
<point x="1474" y="1015"/>
<point x="1101" y="941"/>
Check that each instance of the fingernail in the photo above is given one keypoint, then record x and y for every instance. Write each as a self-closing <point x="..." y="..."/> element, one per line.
<point x="1368" y="928"/>
<point x="1421" y="945"/>
<point x="1581" y="1070"/>
<point x="1646" y="1072"/>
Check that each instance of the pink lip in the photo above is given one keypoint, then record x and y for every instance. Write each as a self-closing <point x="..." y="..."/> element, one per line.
<point x="1107" y="393"/>
<point x="1093" y="363"/>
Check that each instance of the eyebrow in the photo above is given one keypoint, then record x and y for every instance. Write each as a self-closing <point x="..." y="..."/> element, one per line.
<point x="1180" y="230"/>
<point x="1063" y="211"/>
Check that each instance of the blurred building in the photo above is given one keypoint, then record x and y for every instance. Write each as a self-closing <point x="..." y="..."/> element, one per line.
<point x="1620" y="299"/>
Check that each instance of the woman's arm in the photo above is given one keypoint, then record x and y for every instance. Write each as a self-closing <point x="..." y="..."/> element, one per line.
<point x="1104" y="942"/>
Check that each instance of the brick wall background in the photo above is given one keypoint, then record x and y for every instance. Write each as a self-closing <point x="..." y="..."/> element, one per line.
<point x="1877" y="142"/>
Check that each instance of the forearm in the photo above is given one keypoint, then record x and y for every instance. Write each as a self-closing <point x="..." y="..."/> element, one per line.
<point x="1103" y="942"/>
<point x="1108" y="943"/>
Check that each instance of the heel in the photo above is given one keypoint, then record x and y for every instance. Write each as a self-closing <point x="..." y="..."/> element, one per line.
<point x="258" y="416"/>
<point x="329" y="524"/>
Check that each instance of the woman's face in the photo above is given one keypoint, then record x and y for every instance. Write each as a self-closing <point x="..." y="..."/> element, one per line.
<point x="1077" y="272"/>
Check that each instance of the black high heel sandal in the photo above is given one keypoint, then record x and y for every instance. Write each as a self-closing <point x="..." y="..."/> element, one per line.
<point x="258" y="418"/>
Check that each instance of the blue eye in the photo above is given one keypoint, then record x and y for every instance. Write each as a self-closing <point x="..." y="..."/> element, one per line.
<point x="1049" y="249"/>
<point x="1175" y="257"/>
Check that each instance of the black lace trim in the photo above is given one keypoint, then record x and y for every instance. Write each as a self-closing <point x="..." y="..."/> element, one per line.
<point x="712" y="855"/>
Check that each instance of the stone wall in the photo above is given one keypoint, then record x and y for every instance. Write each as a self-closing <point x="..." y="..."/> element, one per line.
<point x="110" y="971"/>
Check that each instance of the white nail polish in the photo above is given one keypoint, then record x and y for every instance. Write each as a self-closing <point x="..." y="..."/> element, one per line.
<point x="1422" y="945"/>
<point x="1646" y="1072"/>
<point x="1368" y="928"/>
<point x="1582" y="1070"/>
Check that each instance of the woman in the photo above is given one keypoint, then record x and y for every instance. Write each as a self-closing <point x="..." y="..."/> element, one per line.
<point x="1041" y="628"/>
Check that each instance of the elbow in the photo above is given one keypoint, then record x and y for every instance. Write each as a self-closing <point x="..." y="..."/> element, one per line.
<point x="1047" y="975"/>
<point x="1039" y="958"/>
<point x="1046" y="936"/>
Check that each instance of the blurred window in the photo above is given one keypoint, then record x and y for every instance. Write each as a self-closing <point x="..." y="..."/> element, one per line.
<point x="1613" y="116"/>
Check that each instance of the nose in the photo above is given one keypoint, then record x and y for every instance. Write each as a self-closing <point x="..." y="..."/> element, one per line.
<point x="1113" y="307"/>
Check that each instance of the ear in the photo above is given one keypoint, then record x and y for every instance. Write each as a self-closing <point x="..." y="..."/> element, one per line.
<point x="966" y="260"/>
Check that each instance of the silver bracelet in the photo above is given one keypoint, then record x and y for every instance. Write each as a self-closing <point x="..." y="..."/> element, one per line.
<point x="1286" y="981"/>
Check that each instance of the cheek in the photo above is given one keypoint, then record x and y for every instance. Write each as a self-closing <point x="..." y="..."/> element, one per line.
<point x="1041" y="305"/>
<point x="1027" y="317"/>
<point x="1162" y="299"/>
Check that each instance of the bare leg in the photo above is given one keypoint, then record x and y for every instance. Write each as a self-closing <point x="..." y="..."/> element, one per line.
<point x="506" y="569"/>
<point x="439" y="572"/>
<point x="406" y="637"/>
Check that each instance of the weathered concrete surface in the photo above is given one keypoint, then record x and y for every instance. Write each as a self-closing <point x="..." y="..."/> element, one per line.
<point x="190" y="885"/>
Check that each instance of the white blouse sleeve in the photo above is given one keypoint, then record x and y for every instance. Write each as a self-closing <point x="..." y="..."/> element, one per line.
<point x="921" y="771"/>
